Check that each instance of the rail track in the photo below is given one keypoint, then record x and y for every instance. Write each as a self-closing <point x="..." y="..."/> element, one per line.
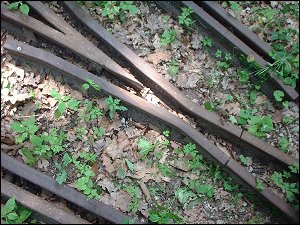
<point x="141" y="75"/>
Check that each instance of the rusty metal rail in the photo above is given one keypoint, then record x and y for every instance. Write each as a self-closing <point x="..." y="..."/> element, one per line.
<point x="66" y="36"/>
<point x="208" y="23"/>
<point x="207" y="148"/>
<point x="241" y="31"/>
<point x="64" y="191"/>
<point x="161" y="87"/>
<point x="47" y="210"/>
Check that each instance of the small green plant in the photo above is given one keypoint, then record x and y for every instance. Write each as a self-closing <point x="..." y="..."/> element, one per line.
<point x="31" y="160"/>
<point x="225" y="62"/>
<point x="202" y="189"/>
<point x="88" y="157"/>
<point x="11" y="213"/>
<point x="165" y="170"/>
<point x="245" y="160"/>
<point x="98" y="131"/>
<point x="168" y="37"/>
<point x="86" y="185"/>
<point x="278" y="95"/>
<point x="209" y="106"/>
<point x="243" y="76"/>
<point x="288" y="120"/>
<point x="63" y="103"/>
<point x="289" y="189"/>
<point x="259" y="185"/>
<point x="166" y="133"/>
<point x="62" y="175"/>
<point x="90" y="83"/>
<point x="24" y="8"/>
<point x="135" y="194"/>
<point x="206" y="42"/>
<point x="184" y="195"/>
<point x="92" y="112"/>
<point x="185" y="17"/>
<point x="162" y="215"/>
<point x="284" y="144"/>
<point x="260" y="126"/>
<point x="113" y="106"/>
<point x="145" y="147"/>
<point x="118" y="9"/>
<point x="130" y="166"/>
<point x="25" y="128"/>
<point x="173" y="69"/>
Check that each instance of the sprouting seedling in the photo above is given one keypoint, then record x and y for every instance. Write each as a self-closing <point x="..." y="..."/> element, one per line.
<point x="24" y="8"/>
<point x="90" y="83"/>
<point x="113" y="105"/>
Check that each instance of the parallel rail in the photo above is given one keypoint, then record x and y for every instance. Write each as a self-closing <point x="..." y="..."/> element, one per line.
<point x="46" y="210"/>
<point x="207" y="148"/>
<point x="208" y="23"/>
<point x="209" y="121"/>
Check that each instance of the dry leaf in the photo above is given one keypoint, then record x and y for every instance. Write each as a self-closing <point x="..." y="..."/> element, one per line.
<point x="107" y="184"/>
<point x="122" y="200"/>
<point x="113" y="150"/>
<point x="156" y="57"/>
<point x="17" y="98"/>
<point x="107" y="163"/>
<point x="180" y="164"/>
<point x="260" y="99"/>
<point x="98" y="145"/>
<point x="277" y="116"/>
<point x="31" y="80"/>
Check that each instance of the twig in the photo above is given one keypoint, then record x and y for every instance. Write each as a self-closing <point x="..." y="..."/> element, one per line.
<point x="145" y="191"/>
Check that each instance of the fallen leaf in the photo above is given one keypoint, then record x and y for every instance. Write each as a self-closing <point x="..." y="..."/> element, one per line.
<point x="98" y="145"/>
<point x="277" y="116"/>
<point x="112" y="149"/>
<point x="107" y="184"/>
<point x="122" y="201"/>
<point x="181" y="164"/>
<point x="17" y="98"/>
<point x="107" y="163"/>
<point x="260" y="99"/>
<point x="159" y="56"/>
<point x="31" y="80"/>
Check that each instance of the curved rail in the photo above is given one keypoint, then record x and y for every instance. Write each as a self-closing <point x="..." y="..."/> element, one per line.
<point x="215" y="28"/>
<point x="160" y="86"/>
<point x="207" y="148"/>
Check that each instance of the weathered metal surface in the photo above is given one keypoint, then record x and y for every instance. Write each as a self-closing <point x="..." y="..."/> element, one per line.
<point x="39" y="205"/>
<point x="135" y="101"/>
<point x="206" y="20"/>
<point x="63" y="191"/>
<point x="267" y="193"/>
<point x="241" y="31"/>
<point x="69" y="38"/>
<point x="207" y="120"/>
<point x="80" y="74"/>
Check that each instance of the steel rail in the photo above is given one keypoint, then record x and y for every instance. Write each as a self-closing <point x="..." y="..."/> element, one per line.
<point x="69" y="38"/>
<point x="64" y="191"/>
<point x="217" y="29"/>
<point x="240" y="30"/>
<point x="160" y="86"/>
<point x="47" y="210"/>
<point x="207" y="148"/>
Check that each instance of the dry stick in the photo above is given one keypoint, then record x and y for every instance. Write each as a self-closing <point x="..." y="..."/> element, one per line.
<point x="145" y="191"/>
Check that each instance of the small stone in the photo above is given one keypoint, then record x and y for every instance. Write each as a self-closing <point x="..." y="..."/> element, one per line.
<point x="245" y="204"/>
<point x="220" y="222"/>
